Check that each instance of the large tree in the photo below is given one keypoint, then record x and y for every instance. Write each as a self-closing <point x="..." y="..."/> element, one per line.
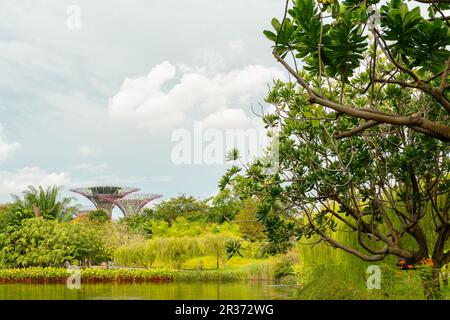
<point x="355" y="51"/>
<point x="363" y="132"/>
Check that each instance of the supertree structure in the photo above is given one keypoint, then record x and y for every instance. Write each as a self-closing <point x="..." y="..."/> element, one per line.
<point x="104" y="197"/>
<point x="133" y="203"/>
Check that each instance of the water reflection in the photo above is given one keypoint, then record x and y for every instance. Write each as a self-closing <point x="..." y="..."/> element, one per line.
<point x="236" y="290"/>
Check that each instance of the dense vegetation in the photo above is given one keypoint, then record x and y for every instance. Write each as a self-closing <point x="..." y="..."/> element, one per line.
<point x="36" y="249"/>
<point x="194" y="236"/>
<point x="362" y="133"/>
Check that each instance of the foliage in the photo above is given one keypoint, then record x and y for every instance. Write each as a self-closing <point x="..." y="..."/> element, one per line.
<point x="391" y="189"/>
<point x="284" y="268"/>
<point x="139" y="253"/>
<point x="39" y="242"/>
<point x="249" y="226"/>
<point x="221" y="208"/>
<point x="140" y="223"/>
<point x="9" y="216"/>
<point x="47" y="202"/>
<point x="184" y="206"/>
<point x="89" y="275"/>
<point x="97" y="216"/>
<point x="225" y="206"/>
<point x="388" y="186"/>
<point x="172" y="251"/>
<point x="352" y="66"/>
<point x="181" y="227"/>
<point x="233" y="247"/>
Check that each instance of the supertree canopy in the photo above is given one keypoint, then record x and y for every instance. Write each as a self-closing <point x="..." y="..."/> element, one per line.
<point x="104" y="197"/>
<point x="133" y="203"/>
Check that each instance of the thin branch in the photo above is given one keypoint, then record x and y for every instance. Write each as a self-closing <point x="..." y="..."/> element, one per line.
<point x="282" y="22"/>
<point x="352" y="132"/>
<point x="433" y="1"/>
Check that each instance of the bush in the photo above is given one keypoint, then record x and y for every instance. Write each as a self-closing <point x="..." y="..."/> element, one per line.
<point x="140" y="223"/>
<point x="249" y="226"/>
<point x="10" y="216"/>
<point x="39" y="242"/>
<point x="89" y="275"/>
<point x="97" y="216"/>
<point x="190" y="208"/>
<point x="284" y="268"/>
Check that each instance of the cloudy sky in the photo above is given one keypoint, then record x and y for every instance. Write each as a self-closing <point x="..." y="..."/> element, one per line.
<point x="93" y="91"/>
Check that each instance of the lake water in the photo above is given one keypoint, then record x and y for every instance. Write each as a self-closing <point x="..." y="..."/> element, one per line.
<point x="236" y="290"/>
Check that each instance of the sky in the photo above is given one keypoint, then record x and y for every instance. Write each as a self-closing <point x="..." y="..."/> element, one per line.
<point x="109" y="91"/>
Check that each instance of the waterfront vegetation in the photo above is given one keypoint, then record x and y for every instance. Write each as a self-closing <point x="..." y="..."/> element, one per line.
<point x="34" y="251"/>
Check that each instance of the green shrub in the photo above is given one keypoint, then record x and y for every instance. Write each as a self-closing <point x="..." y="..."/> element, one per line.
<point x="97" y="216"/>
<point x="51" y="274"/>
<point x="283" y="268"/>
<point x="39" y="242"/>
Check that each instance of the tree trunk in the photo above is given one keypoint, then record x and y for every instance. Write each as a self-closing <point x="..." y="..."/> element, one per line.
<point x="431" y="284"/>
<point x="445" y="278"/>
<point x="217" y="259"/>
<point x="36" y="210"/>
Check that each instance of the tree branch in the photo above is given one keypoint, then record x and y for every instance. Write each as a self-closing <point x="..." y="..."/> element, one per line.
<point x="349" y="133"/>
<point x="444" y="76"/>
<point x="334" y="243"/>
<point x="433" y="1"/>
<point x="440" y="131"/>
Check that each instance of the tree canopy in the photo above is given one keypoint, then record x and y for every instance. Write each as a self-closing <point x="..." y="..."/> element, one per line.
<point x="355" y="58"/>
<point x="362" y="129"/>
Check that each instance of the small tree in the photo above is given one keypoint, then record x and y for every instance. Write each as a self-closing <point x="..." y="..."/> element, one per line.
<point x="97" y="216"/>
<point x="249" y="226"/>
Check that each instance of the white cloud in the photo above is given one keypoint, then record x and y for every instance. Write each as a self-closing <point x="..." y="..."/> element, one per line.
<point x="230" y="119"/>
<point x="236" y="47"/>
<point x="219" y="58"/>
<point x="170" y="97"/>
<point x="90" y="168"/>
<point x="87" y="150"/>
<point x="14" y="182"/>
<point x="6" y="148"/>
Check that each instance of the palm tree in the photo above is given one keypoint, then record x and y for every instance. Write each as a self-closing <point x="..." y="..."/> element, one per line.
<point x="46" y="203"/>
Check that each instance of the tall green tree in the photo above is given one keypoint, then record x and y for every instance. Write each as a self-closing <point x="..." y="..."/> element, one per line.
<point x="363" y="131"/>
<point x="391" y="187"/>
<point x="188" y="207"/>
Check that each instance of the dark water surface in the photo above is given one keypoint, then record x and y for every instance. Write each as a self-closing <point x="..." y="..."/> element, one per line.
<point x="235" y="290"/>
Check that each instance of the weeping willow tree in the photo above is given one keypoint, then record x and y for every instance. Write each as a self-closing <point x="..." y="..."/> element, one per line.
<point x="173" y="251"/>
<point x="363" y="131"/>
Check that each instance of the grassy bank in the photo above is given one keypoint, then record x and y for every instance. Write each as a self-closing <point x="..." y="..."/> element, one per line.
<point x="96" y="275"/>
